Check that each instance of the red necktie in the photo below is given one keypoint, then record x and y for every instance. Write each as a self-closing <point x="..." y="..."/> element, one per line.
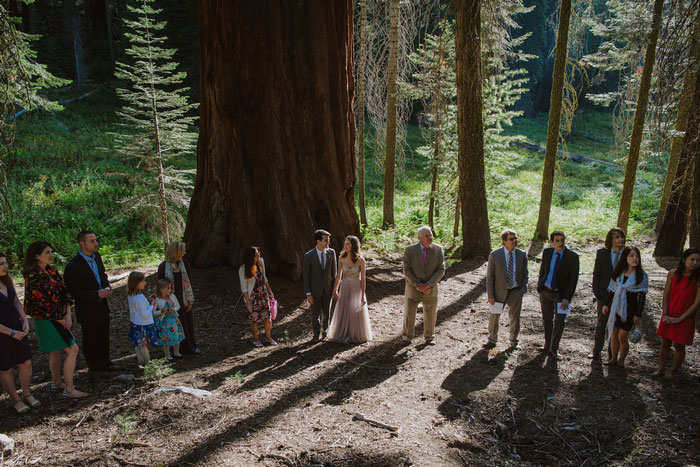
<point x="425" y="254"/>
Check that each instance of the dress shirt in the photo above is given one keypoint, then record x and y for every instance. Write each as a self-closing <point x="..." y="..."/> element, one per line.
<point x="321" y="254"/>
<point x="93" y="265"/>
<point x="614" y="260"/>
<point x="506" y="252"/>
<point x="548" y="282"/>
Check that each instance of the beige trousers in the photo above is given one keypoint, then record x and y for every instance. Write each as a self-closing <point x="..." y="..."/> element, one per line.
<point x="430" y="301"/>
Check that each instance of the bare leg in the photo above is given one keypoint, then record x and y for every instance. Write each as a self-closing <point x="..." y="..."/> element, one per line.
<point x="623" y="337"/>
<point x="664" y="352"/>
<point x="8" y="384"/>
<point x="614" y="347"/>
<point x="69" y="370"/>
<point x="254" y="330"/>
<point x="25" y="378"/>
<point x="55" y="368"/>
<point x="268" y="329"/>
<point x="678" y="357"/>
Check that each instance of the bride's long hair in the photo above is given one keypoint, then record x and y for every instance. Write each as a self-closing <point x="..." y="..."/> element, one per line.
<point x="354" y="248"/>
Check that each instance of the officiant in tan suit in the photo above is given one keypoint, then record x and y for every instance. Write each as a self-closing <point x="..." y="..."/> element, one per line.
<point x="423" y="266"/>
<point x="506" y="283"/>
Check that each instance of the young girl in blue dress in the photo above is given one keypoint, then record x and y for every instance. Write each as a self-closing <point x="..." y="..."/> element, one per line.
<point x="168" y="323"/>
<point x="143" y="330"/>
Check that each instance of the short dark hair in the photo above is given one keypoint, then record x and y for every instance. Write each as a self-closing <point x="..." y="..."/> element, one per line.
<point x="84" y="233"/>
<point x="506" y="232"/>
<point x="556" y="233"/>
<point x="318" y="235"/>
<point x="609" y="236"/>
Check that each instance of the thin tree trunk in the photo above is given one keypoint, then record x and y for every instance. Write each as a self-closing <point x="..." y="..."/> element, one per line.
<point x="639" y="117"/>
<point x="555" y="103"/>
<point x="390" y="146"/>
<point x="161" y="178"/>
<point x="458" y="212"/>
<point x="438" y="105"/>
<point x="275" y="159"/>
<point x="674" y="228"/>
<point x="360" y="140"/>
<point x="78" y="47"/>
<point x="110" y="39"/>
<point x="695" y="207"/>
<point x="681" y="121"/>
<point x="476" y="240"/>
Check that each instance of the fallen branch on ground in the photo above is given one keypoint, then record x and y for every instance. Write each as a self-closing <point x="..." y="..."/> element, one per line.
<point x="362" y="418"/>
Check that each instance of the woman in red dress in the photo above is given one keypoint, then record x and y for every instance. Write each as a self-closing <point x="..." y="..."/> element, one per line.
<point x="681" y="301"/>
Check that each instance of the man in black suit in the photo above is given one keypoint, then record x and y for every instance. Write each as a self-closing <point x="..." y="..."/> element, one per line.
<point x="556" y="285"/>
<point x="87" y="281"/>
<point x="605" y="261"/>
<point x="320" y="268"/>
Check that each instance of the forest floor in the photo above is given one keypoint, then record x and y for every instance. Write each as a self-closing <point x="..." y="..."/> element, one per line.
<point x="454" y="403"/>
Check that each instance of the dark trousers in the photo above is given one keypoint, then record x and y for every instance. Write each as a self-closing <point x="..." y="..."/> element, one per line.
<point x="94" y="324"/>
<point x="187" y="321"/>
<point x="601" y="326"/>
<point x="321" y="313"/>
<point x="553" y="321"/>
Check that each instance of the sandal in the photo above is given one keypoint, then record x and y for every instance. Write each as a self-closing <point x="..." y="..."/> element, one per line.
<point x="20" y="407"/>
<point x="75" y="394"/>
<point x="610" y="363"/>
<point x="32" y="401"/>
<point x="271" y="341"/>
<point x="257" y="344"/>
<point x="55" y="387"/>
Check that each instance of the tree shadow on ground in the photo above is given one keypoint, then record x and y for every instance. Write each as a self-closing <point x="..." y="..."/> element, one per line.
<point x="366" y="369"/>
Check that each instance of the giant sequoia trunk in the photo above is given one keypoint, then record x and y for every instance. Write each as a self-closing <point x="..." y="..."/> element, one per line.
<point x="476" y="240"/>
<point x="623" y="214"/>
<point x="275" y="159"/>
<point x="555" y="103"/>
<point x="674" y="228"/>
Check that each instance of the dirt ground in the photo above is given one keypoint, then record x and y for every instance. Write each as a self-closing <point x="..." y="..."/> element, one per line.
<point x="454" y="403"/>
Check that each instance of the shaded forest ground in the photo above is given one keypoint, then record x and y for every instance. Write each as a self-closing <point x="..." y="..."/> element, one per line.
<point x="455" y="403"/>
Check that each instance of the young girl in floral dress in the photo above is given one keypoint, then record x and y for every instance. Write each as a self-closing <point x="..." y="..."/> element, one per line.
<point x="143" y="330"/>
<point x="169" y="327"/>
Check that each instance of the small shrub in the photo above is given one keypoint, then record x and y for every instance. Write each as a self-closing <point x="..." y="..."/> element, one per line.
<point x="238" y="377"/>
<point x="156" y="370"/>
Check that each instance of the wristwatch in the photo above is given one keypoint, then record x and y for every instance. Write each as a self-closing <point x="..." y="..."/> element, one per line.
<point x="12" y="333"/>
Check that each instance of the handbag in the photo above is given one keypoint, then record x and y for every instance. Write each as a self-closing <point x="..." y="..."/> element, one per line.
<point x="635" y="335"/>
<point x="273" y="309"/>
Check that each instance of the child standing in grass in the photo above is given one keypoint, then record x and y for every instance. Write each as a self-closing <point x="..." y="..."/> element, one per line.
<point x="169" y="326"/>
<point x="143" y="330"/>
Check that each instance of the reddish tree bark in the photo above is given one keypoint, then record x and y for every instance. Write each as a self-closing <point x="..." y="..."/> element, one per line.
<point x="275" y="159"/>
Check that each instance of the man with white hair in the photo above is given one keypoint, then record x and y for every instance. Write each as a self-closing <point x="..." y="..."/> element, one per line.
<point x="423" y="266"/>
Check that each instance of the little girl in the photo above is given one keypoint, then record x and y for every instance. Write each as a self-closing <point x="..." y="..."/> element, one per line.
<point x="167" y="321"/>
<point x="143" y="330"/>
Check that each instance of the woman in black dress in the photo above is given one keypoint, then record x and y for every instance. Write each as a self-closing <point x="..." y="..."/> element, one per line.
<point x="14" y="344"/>
<point x="625" y="302"/>
<point x="177" y="270"/>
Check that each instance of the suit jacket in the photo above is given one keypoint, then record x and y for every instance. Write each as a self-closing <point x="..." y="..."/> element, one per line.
<point x="318" y="281"/>
<point x="83" y="285"/>
<point x="496" y="274"/>
<point x="602" y="273"/>
<point x="567" y="274"/>
<point x="417" y="272"/>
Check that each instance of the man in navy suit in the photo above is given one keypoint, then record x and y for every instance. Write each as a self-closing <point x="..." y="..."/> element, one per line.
<point x="87" y="281"/>
<point x="556" y="285"/>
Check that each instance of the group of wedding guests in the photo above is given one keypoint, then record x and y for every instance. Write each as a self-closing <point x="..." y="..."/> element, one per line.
<point x="165" y="318"/>
<point x="49" y="297"/>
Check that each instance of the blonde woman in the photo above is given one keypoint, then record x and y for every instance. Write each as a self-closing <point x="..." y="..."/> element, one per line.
<point x="177" y="270"/>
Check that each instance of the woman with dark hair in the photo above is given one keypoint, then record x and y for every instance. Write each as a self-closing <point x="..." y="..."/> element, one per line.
<point x="681" y="301"/>
<point x="350" y="323"/>
<point x="47" y="300"/>
<point x="625" y="302"/>
<point x="256" y="293"/>
<point x="177" y="270"/>
<point x="605" y="261"/>
<point x="14" y="344"/>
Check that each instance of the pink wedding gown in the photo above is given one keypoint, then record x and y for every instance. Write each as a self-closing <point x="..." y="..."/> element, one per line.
<point x="350" y="324"/>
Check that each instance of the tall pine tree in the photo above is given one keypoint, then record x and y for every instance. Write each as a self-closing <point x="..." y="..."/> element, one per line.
<point x="154" y="115"/>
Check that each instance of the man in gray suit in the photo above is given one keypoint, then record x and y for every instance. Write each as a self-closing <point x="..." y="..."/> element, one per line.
<point x="506" y="283"/>
<point x="320" y="268"/>
<point x="423" y="266"/>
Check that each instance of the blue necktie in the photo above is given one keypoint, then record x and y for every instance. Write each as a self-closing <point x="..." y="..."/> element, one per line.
<point x="555" y="285"/>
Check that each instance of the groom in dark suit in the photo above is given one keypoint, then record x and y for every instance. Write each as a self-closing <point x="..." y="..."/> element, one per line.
<point x="87" y="281"/>
<point x="320" y="268"/>
<point x="556" y="285"/>
<point x="506" y="283"/>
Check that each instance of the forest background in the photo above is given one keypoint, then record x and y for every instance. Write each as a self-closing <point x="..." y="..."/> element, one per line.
<point x="66" y="169"/>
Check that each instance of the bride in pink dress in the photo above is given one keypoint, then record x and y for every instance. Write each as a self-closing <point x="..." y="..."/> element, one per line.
<point x="350" y="324"/>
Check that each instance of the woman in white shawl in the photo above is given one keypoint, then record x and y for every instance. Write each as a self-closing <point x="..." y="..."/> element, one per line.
<point x="625" y="302"/>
